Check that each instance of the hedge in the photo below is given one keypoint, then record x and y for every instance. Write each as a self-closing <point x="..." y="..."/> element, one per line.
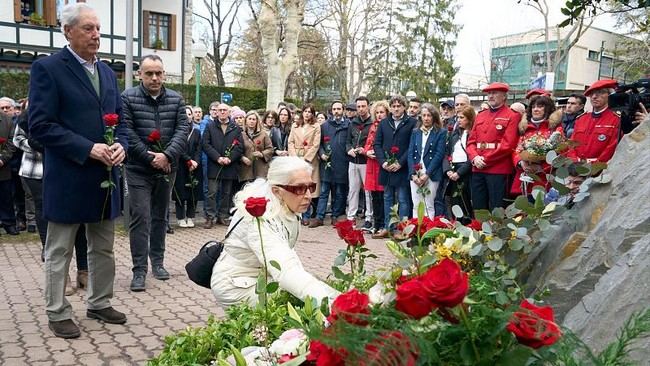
<point x="15" y="85"/>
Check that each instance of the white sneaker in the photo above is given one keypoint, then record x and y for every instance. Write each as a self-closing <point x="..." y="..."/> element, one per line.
<point x="189" y="222"/>
<point x="182" y="223"/>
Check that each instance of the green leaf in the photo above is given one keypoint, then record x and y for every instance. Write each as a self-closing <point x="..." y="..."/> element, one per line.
<point x="518" y="356"/>
<point x="502" y="298"/>
<point x="340" y="260"/>
<point x="396" y="249"/>
<point x="293" y="314"/>
<point x="339" y="274"/>
<point x="457" y="211"/>
<point x="486" y="227"/>
<point x="495" y="244"/>
<point x="521" y="202"/>
<point x="436" y="231"/>
<point x="476" y="250"/>
<point x="105" y="184"/>
<point x="272" y="287"/>
<point x="550" y="156"/>
<point x="239" y="358"/>
<point x="260" y="287"/>
<point x="421" y="209"/>
<point x="296" y="361"/>
<point x="482" y="215"/>
<point x="516" y="245"/>
<point x="275" y="265"/>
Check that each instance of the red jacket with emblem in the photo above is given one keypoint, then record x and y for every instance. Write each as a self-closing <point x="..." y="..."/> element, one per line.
<point x="494" y="137"/>
<point x="596" y="136"/>
<point x="526" y="130"/>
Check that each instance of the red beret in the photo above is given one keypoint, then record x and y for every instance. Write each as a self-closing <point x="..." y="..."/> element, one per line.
<point x="537" y="91"/>
<point x="601" y="84"/>
<point x="497" y="87"/>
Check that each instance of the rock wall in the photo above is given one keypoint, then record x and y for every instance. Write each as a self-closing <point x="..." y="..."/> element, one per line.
<point x="598" y="269"/>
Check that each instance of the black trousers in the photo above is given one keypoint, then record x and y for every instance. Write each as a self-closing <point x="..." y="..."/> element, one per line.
<point x="489" y="190"/>
<point x="439" y="203"/>
<point x="7" y="213"/>
<point x="378" y="209"/>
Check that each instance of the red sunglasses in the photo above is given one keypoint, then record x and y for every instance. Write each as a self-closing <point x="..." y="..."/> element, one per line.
<point x="299" y="189"/>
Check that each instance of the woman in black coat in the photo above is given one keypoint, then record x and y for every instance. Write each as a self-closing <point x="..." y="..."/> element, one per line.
<point x="457" y="167"/>
<point x="188" y="187"/>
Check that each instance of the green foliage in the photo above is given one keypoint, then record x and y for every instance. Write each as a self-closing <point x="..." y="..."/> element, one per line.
<point x="200" y="346"/>
<point x="16" y="85"/>
<point x="574" y="9"/>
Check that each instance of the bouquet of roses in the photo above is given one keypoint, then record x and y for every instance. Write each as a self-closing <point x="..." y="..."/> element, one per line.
<point x="534" y="148"/>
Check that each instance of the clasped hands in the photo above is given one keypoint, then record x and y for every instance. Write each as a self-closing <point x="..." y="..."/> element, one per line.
<point x="109" y="155"/>
<point x="420" y="180"/>
<point x="356" y="151"/>
<point x="391" y="167"/>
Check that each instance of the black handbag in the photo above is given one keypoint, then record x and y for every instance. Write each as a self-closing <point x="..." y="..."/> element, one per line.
<point x="199" y="269"/>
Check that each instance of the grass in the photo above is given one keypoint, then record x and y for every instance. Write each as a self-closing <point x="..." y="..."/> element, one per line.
<point x="24" y="237"/>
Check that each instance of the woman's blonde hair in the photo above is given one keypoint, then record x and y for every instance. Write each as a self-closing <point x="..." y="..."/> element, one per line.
<point x="258" y="125"/>
<point x="281" y="170"/>
<point x="375" y="105"/>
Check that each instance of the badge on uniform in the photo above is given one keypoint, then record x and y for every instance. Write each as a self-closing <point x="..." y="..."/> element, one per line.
<point x="499" y="127"/>
<point x="602" y="137"/>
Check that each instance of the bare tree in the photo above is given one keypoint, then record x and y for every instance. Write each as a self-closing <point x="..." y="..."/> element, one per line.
<point x="220" y="21"/>
<point x="280" y="23"/>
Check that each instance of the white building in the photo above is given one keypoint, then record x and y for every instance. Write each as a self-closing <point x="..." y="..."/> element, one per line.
<point x="32" y="30"/>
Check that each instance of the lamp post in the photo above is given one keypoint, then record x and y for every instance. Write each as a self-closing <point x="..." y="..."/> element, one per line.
<point x="198" y="51"/>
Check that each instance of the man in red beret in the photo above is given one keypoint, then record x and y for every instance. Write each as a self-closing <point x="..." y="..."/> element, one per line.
<point x="597" y="133"/>
<point x="490" y="145"/>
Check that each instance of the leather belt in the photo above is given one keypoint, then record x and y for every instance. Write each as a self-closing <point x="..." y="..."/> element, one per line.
<point x="487" y="145"/>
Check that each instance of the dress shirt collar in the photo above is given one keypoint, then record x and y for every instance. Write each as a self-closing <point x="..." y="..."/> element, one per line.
<point x="89" y="65"/>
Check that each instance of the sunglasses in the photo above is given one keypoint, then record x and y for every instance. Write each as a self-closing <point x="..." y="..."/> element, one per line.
<point x="299" y="189"/>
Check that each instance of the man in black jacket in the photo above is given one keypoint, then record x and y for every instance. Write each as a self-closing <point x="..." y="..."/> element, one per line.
<point x="157" y="129"/>
<point x="356" y="140"/>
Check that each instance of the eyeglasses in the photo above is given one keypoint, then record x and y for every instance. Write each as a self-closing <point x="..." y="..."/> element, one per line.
<point x="299" y="190"/>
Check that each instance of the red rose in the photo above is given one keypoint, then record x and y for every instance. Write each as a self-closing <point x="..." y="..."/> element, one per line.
<point x="445" y="284"/>
<point x="235" y="142"/>
<point x="354" y="238"/>
<point x="475" y="225"/>
<point x="322" y="355"/>
<point x="305" y="143"/>
<point x="438" y="222"/>
<point x="258" y="142"/>
<point x="417" y="167"/>
<point x="256" y="206"/>
<point x="414" y="221"/>
<point x="361" y="127"/>
<point x="394" y="150"/>
<point x="392" y="348"/>
<point x="189" y="164"/>
<point x="534" y="326"/>
<point x="349" y="306"/>
<point x="111" y="119"/>
<point x="450" y="128"/>
<point x="2" y="140"/>
<point x="343" y="227"/>
<point x="326" y="139"/>
<point x="411" y="300"/>
<point x="154" y="136"/>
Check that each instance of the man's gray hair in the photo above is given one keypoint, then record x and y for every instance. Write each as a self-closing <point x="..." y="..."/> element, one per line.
<point x="399" y="99"/>
<point x="8" y="100"/>
<point x="151" y="57"/>
<point x="70" y="14"/>
<point x="463" y="96"/>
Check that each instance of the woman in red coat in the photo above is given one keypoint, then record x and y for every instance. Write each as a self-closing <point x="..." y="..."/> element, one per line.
<point x="379" y="112"/>
<point x="542" y="119"/>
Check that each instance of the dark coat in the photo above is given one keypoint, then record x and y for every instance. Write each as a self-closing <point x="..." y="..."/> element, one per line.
<point x="337" y="132"/>
<point x="217" y="144"/>
<point x="66" y="116"/>
<point x="7" y="149"/>
<point x="463" y="169"/>
<point x="387" y="137"/>
<point x="143" y="115"/>
<point x="357" y="135"/>
<point x="192" y="152"/>
<point x="433" y="151"/>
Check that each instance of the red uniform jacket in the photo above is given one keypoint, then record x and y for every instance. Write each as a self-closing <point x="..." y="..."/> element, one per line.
<point x="494" y="137"/>
<point x="528" y="129"/>
<point x="596" y="135"/>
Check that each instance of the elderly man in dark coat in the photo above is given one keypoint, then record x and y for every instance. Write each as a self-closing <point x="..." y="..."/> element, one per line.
<point x="72" y="94"/>
<point x="334" y="165"/>
<point x="150" y="108"/>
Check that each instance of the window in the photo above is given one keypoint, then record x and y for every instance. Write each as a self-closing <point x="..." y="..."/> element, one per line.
<point x="606" y="67"/>
<point x="159" y="31"/>
<point x="40" y="12"/>
<point x="593" y="55"/>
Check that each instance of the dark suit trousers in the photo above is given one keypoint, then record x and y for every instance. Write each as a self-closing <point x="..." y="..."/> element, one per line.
<point x="488" y="190"/>
<point x="148" y="203"/>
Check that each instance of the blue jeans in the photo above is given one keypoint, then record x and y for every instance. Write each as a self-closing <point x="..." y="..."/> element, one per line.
<point x="338" y="205"/>
<point x="403" y="198"/>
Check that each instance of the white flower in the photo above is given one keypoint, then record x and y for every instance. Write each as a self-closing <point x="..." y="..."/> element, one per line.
<point x="379" y="295"/>
<point x="288" y="342"/>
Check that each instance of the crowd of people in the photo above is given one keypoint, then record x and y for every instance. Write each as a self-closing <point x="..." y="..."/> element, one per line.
<point x="70" y="151"/>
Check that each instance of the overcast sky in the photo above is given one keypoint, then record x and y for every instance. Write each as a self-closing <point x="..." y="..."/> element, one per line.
<point x="486" y="19"/>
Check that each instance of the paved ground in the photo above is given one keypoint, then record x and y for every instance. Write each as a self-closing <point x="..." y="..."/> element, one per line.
<point x="164" y="308"/>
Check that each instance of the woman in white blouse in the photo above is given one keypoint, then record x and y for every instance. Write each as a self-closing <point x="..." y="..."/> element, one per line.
<point x="289" y="188"/>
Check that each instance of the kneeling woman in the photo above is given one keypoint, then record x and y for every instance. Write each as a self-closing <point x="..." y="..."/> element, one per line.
<point x="289" y="189"/>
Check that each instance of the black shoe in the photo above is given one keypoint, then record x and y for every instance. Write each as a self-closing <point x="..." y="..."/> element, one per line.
<point x="137" y="283"/>
<point x="31" y="228"/>
<point x="11" y="229"/>
<point x="160" y="273"/>
<point x="170" y="230"/>
<point x="367" y="225"/>
<point x="108" y="315"/>
<point x="21" y="226"/>
<point x="64" y="328"/>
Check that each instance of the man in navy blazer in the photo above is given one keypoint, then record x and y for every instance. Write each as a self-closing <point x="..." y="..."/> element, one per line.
<point x="391" y="147"/>
<point x="72" y="93"/>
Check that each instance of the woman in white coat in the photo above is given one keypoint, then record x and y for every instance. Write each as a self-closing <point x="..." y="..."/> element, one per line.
<point x="289" y="188"/>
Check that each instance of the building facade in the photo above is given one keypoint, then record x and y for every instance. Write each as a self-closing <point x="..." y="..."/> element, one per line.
<point x="32" y="30"/>
<point x="517" y="59"/>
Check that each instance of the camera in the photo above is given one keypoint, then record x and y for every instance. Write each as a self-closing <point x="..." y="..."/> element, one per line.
<point x="626" y="100"/>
